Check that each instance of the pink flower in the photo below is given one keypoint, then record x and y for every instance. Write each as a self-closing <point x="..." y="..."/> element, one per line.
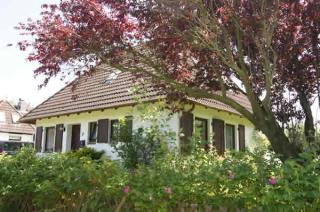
<point x="168" y="190"/>
<point x="273" y="180"/>
<point x="230" y="174"/>
<point x="126" y="189"/>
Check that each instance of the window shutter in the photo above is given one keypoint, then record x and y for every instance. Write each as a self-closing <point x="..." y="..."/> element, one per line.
<point x="129" y="124"/>
<point x="103" y="131"/>
<point x="242" y="138"/>
<point x="59" y="137"/>
<point x="218" y="137"/>
<point x="186" y="124"/>
<point x="38" y="144"/>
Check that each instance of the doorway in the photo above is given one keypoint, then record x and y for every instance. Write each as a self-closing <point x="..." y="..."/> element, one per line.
<point x="75" y="137"/>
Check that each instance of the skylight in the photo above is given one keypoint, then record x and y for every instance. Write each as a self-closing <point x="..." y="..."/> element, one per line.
<point x="113" y="76"/>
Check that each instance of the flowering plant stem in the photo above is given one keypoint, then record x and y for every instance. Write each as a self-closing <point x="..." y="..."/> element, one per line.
<point x="123" y="200"/>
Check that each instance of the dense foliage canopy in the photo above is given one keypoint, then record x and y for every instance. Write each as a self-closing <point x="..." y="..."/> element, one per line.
<point x="267" y="50"/>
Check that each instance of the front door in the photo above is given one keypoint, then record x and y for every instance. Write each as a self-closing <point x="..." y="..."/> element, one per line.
<point x="75" y="138"/>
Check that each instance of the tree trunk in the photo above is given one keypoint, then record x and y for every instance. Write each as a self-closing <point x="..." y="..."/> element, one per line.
<point x="309" y="129"/>
<point x="279" y="141"/>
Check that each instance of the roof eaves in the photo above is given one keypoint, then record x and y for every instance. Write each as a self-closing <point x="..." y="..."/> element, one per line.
<point x="33" y="120"/>
<point x="24" y="117"/>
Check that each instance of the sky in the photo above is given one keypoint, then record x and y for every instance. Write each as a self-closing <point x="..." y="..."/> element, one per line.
<point x="16" y="73"/>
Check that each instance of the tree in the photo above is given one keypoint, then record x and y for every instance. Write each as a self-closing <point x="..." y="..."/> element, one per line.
<point x="267" y="50"/>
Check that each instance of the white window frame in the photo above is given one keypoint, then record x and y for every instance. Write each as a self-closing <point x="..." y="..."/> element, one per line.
<point x="234" y="136"/>
<point x="45" y="139"/>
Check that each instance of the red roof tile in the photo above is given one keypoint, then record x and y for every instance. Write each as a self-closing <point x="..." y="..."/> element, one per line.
<point x="8" y="125"/>
<point x="93" y="93"/>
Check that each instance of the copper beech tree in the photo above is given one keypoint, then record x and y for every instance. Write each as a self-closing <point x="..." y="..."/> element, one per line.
<point x="267" y="50"/>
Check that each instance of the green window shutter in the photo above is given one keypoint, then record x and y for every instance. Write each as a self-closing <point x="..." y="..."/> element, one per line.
<point x="186" y="125"/>
<point x="59" y="138"/>
<point x="218" y="135"/>
<point x="129" y="124"/>
<point x="38" y="144"/>
<point x="242" y="138"/>
<point x="103" y="131"/>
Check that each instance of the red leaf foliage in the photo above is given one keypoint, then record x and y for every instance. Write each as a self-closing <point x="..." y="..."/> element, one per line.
<point x="198" y="43"/>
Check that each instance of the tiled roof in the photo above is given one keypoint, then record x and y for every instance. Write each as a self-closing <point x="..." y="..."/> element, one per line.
<point x="240" y="98"/>
<point x="8" y="125"/>
<point x="94" y="93"/>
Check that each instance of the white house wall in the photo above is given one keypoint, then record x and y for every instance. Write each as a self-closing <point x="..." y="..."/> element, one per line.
<point x="25" y="138"/>
<point x="83" y="119"/>
<point x="229" y="118"/>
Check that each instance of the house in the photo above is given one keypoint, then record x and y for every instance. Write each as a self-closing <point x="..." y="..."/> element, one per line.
<point x="14" y="135"/>
<point x="86" y="114"/>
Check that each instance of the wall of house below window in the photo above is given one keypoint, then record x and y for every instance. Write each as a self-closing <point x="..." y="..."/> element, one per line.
<point x="9" y="136"/>
<point x="231" y="119"/>
<point x="11" y="142"/>
<point x="83" y="119"/>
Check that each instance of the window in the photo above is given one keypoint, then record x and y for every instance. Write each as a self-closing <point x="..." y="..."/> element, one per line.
<point x="2" y="116"/>
<point x="121" y="131"/>
<point x="115" y="129"/>
<point x="14" y="138"/>
<point x="49" y="145"/>
<point x="230" y="137"/>
<point x="93" y="131"/>
<point x="201" y="128"/>
<point x="129" y="124"/>
<point x="12" y="146"/>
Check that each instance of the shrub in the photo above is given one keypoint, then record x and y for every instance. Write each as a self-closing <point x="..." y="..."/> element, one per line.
<point x="246" y="181"/>
<point x="202" y="181"/>
<point x="59" y="182"/>
<point x="144" y="145"/>
<point x="86" y="152"/>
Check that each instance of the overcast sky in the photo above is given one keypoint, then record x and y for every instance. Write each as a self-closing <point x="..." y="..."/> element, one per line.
<point x="16" y="74"/>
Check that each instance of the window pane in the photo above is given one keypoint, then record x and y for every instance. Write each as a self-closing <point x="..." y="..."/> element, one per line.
<point x="114" y="130"/>
<point x="12" y="146"/>
<point x="201" y="128"/>
<point x="49" y="139"/>
<point x="93" y="131"/>
<point x="230" y="139"/>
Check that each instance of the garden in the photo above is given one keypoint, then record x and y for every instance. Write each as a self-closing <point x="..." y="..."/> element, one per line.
<point x="266" y="51"/>
<point x="203" y="181"/>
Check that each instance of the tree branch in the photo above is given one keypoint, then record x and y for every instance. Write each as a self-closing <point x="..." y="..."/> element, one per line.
<point x="150" y="68"/>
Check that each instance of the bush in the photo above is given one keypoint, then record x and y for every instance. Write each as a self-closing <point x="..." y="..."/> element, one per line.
<point x="248" y="181"/>
<point x="203" y="181"/>
<point x="144" y="145"/>
<point x="59" y="182"/>
<point x="86" y="152"/>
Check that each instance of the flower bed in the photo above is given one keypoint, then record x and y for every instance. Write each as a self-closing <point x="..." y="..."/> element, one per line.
<point x="202" y="181"/>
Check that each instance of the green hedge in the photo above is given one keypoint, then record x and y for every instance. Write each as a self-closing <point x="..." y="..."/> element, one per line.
<point x="202" y="182"/>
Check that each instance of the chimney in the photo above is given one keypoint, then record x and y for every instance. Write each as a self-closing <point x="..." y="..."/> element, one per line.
<point x="22" y="105"/>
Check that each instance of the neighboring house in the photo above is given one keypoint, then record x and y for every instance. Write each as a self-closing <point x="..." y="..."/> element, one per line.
<point x="14" y="135"/>
<point x="88" y="114"/>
